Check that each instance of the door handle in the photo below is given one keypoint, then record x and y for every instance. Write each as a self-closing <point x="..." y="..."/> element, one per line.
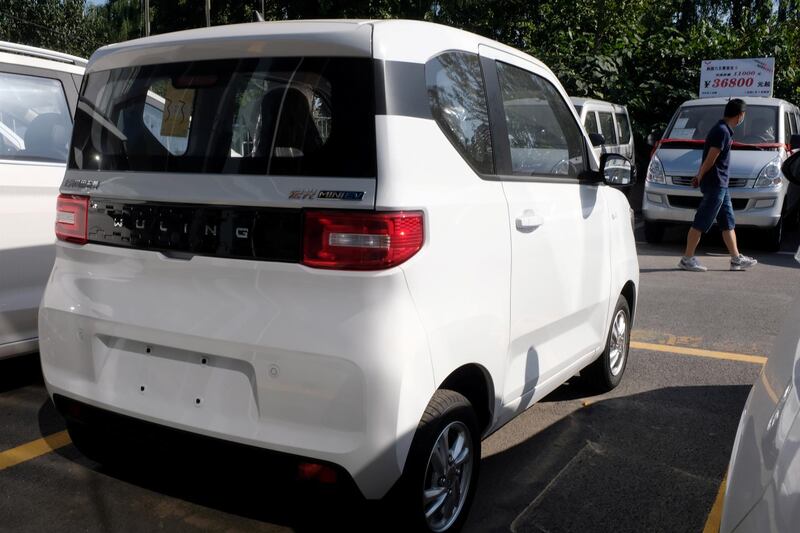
<point x="529" y="221"/>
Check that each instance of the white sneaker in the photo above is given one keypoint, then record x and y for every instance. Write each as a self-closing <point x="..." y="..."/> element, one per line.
<point x="742" y="262"/>
<point x="691" y="264"/>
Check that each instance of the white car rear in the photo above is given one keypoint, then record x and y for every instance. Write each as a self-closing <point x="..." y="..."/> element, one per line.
<point x="360" y="250"/>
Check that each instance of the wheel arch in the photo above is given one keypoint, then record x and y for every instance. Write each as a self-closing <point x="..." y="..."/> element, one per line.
<point x="475" y="383"/>
<point x="629" y="292"/>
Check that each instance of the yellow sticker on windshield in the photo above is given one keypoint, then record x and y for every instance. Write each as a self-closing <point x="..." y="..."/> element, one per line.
<point x="177" y="112"/>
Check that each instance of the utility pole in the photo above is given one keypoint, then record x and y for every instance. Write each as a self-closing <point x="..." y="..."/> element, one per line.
<point x="146" y="18"/>
<point x="208" y="13"/>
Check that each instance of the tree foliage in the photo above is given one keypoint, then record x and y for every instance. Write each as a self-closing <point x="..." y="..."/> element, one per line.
<point x="642" y="53"/>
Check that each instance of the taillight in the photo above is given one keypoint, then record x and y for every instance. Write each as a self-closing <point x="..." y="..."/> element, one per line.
<point x="361" y="241"/>
<point x="71" y="218"/>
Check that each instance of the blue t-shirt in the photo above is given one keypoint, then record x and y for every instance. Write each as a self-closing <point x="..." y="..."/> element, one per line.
<point x="720" y="136"/>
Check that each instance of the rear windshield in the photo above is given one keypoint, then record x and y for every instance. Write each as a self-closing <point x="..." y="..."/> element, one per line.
<point x="281" y="116"/>
<point x="693" y="122"/>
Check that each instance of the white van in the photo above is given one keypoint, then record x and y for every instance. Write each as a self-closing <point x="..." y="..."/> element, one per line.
<point x="38" y="93"/>
<point x="609" y="120"/>
<point x="369" y="253"/>
<point x="761" y="196"/>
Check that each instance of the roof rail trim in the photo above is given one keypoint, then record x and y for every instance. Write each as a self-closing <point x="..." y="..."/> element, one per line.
<point x="43" y="53"/>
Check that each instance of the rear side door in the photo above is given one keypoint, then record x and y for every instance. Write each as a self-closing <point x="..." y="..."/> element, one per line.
<point x="35" y="127"/>
<point x="560" y="272"/>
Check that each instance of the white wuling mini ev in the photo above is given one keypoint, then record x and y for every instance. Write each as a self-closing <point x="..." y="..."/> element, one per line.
<point x="362" y="245"/>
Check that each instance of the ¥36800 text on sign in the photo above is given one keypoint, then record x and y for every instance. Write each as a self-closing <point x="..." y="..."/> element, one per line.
<point x="737" y="77"/>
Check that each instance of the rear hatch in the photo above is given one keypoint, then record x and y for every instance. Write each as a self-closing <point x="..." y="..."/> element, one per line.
<point x="220" y="157"/>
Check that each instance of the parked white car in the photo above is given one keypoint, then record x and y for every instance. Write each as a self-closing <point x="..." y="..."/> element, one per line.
<point x="763" y="489"/>
<point x="38" y="92"/>
<point x="609" y="120"/>
<point x="761" y="197"/>
<point x="369" y="253"/>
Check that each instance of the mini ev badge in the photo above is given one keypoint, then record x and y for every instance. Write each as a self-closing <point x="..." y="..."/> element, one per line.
<point x="313" y="194"/>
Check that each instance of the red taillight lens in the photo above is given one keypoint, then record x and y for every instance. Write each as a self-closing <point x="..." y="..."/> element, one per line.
<point x="71" y="218"/>
<point x="361" y="241"/>
<point x="313" y="471"/>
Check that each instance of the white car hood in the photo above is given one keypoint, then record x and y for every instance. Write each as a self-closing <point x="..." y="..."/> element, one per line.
<point x="686" y="161"/>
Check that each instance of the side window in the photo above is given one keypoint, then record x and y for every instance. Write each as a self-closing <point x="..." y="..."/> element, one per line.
<point x="590" y="122"/>
<point x="544" y="137"/>
<point x="458" y="101"/>
<point x="624" y="128"/>
<point x="35" y="123"/>
<point x="607" y="127"/>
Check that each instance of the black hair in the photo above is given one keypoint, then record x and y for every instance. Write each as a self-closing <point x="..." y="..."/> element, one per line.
<point x="735" y="107"/>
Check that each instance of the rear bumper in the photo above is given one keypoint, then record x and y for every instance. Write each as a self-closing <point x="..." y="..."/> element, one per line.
<point x="309" y="363"/>
<point x="164" y="445"/>
<point x="761" y="207"/>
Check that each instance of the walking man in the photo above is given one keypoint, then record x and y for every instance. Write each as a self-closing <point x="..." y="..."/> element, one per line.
<point x="712" y="178"/>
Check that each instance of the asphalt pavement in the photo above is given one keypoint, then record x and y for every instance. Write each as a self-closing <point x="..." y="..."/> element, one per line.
<point x="649" y="456"/>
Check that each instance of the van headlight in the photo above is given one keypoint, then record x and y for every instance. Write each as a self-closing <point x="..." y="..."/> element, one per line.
<point x="770" y="175"/>
<point x="655" y="171"/>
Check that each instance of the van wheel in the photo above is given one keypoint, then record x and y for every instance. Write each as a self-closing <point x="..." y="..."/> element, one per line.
<point x="653" y="232"/>
<point x="606" y="372"/>
<point x="441" y="473"/>
<point x="773" y="237"/>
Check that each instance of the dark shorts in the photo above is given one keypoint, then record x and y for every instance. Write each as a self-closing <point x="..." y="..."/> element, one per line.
<point x="716" y="204"/>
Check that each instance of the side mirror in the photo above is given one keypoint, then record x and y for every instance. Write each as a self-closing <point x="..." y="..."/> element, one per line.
<point x="617" y="170"/>
<point x="791" y="167"/>
<point x="597" y="139"/>
<point x="794" y="141"/>
<point x="654" y="137"/>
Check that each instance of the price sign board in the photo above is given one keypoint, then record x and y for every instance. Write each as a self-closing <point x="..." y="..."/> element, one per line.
<point x="737" y="77"/>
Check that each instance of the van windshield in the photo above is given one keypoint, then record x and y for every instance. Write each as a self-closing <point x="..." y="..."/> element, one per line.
<point x="281" y="116"/>
<point x="693" y="123"/>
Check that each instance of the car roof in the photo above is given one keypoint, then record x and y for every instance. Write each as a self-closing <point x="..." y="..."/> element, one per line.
<point x="580" y="101"/>
<point x="749" y="100"/>
<point x="31" y="56"/>
<point x="381" y="39"/>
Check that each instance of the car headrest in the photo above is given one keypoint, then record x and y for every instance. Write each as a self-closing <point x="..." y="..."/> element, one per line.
<point x="287" y="125"/>
<point x="47" y="137"/>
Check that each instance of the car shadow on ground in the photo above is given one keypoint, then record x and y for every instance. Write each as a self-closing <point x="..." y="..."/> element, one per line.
<point x="651" y="462"/>
<point x="20" y="371"/>
<point x="750" y="241"/>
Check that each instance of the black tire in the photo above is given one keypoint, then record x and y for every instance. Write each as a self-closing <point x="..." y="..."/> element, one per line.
<point x="773" y="237"/>
<point x="447" y="409"/>
<point x="653" y="232"/>
<point x="606" y="372"/>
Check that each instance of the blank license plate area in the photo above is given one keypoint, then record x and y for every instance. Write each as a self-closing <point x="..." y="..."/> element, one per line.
<point x="179" y="384"/>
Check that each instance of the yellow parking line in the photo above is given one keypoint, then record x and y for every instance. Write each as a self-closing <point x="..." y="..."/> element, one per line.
<point x="715" y="516"/>
<point x="33" y="449"/>
<point x="698" y="352"/>
<point x="768" y="387"/>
